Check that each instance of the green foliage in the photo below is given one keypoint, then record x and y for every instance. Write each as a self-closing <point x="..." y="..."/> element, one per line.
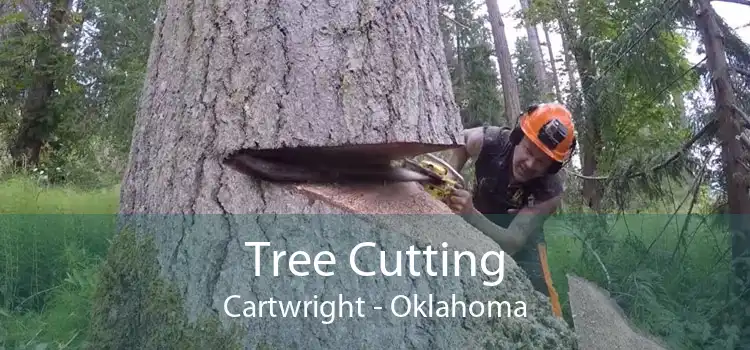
<point x="483" y="105"/>
<point x="65" y="320"/>
<point x="54" y="290"/>
<point x="475" y="79"/>
<point x="529" y="90"/>
<point x="49" y="261"/>
<point x="630" y="120"/>
<point x="97" y="85"/>
<point x="667" y="273"/>
<point x="41" y="70"/>
<point x="17" y="51"/>
<point x="117" y="61"/>
<point x="36" y="239"/>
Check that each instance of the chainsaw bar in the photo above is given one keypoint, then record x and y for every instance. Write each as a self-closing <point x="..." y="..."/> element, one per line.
<point x="412" y="165"/>
<point x="325" y="171"/>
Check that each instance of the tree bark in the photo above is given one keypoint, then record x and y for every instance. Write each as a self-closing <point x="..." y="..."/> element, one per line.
<point x="508" y="80"/>
<point x="591" y="139"/>
<point x="229" y="76"/>
<point x="354" y="76"/>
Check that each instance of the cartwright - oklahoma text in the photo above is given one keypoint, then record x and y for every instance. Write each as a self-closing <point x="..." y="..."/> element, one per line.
<point x="399" y="306"/>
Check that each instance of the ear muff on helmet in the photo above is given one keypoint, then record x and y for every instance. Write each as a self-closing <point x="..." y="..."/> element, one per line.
<point x="516" y="135"/>
<point x="556" y="166"/>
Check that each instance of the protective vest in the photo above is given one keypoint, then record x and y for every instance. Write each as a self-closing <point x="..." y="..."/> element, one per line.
<point x="494" y="194"/>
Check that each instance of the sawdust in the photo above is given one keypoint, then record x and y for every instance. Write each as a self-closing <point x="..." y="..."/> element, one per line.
<point x="599" y="321"/>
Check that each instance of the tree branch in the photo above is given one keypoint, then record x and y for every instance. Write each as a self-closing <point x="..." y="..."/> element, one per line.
<point x="745" y="118"/>
<point x="454" y="21"/>
<point x="706" y="129"/>
<point x="741" y="71"/>
<point x="745" y="140"/>
<point x="741" y="2"/>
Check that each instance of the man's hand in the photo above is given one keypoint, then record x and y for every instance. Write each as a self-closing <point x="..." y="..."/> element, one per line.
<point x="460" y="202"/>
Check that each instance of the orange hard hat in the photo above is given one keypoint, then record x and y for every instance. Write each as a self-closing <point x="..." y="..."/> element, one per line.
<point x="550" y="127"/>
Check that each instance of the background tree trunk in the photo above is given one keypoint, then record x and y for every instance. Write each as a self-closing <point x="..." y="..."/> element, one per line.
<point x="569" y="68"/>
<point x="38" y="118"/>
<point x="508" y="80"/>
<point x="460" y="62"/>
<point x="737" y="177"/>
<point x="448" y="45"/>
<point x="536" y="55"/>
<point x="553" y="64"/>
<point x="232" y="76"/>
<point x="584" y="107"/>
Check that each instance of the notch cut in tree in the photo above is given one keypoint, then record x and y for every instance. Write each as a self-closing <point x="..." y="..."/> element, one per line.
<point x="234" y="77"/>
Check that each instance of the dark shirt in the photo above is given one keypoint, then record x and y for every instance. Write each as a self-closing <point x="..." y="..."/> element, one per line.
<point x="494" y="194"/>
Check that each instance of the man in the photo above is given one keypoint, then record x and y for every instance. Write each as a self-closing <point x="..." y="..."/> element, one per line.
<point x="517" y="185"/>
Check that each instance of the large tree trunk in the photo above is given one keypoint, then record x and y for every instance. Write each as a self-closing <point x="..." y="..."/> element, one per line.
<point x="229" y="76"/>
<point x="507" y="79"/>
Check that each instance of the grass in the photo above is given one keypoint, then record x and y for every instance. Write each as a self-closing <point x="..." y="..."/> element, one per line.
<point x="49" y="260"/>
<point x="678" y="294"/>
<point x="49" y="267"/>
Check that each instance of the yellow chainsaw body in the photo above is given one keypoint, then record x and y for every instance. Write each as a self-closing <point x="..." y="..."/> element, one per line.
<point x="447" y="185"/>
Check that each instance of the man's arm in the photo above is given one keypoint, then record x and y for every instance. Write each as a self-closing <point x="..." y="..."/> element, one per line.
<point x="512" y="239"/>
<point x="530" y="219"/>
<point x="473" y="139"/>
<point x="509" y="240"/>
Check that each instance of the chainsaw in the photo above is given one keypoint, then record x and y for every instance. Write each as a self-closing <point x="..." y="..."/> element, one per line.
<point x="444" y="179"/>
<point x="320" y="165"/>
